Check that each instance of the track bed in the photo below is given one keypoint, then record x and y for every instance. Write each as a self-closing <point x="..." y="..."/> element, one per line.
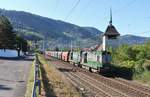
<point x="95" y="85"/>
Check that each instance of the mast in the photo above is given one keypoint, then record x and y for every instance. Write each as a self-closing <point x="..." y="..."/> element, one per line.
<point x="110" y="22"/>
<point x="71" y="45"/>
<point x="43" y="45"/>
<point x="111" y="34"/>
<point x="104" y="43"/>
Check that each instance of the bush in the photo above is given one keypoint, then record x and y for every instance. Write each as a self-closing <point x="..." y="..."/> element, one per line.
<point x="146" y="65"/>
<point x="128" y="64"/>
<point x="135" y="58"/>
<point x="138" y="68"/>
<point x="143" y="77"/>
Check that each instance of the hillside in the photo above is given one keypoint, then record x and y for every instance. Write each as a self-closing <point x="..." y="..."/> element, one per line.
<point x="56" y="32"/>
<point x="130" y="39"/>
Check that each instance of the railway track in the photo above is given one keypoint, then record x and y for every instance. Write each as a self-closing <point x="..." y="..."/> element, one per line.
<point x="87" y="91"/>
<point x="123" y="86"/>
<point x="104" y="88"/>
<point x="136" y="85"/>
<point x="89" y="84"/>
<point x="114" y="87"/>
<point x="87" y="88"/>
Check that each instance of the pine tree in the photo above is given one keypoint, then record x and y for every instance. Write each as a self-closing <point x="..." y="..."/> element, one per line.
<point x="9" y="39"/>
<point x="7" y="36"/>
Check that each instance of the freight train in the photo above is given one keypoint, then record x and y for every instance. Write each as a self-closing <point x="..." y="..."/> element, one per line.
<point x="94" y="61"/>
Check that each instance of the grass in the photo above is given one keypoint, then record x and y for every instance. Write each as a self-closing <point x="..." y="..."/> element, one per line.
<point x="127" y="73"/>
<point x="30" y="82"/>
<point x="54" y="82"/>
<point x="143" y="77"/>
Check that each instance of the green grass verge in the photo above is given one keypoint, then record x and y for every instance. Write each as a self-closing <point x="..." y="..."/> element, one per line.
<point x="30" y="82"/>
<point x="54" y="82"/>
<point x="143" y="77"/>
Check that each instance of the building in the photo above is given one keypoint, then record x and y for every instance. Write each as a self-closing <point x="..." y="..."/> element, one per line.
<point x="110" y="35"/>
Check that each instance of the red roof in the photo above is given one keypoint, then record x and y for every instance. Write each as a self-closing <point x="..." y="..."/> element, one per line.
<point x="93" y="48"/>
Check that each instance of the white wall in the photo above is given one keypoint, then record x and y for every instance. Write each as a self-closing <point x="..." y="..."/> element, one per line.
<point x="9" y="53"/>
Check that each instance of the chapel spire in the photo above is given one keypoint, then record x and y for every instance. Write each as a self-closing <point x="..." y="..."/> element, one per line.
<point x="110" y="22"/>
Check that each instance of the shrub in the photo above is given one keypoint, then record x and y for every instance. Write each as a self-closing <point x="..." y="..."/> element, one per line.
<point x="146" y="65"/>
<point x="135" y="58"/>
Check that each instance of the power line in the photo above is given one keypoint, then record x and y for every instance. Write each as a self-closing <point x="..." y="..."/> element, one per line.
<point x="126" y="5"/>
<point x="73" y="8"/>
<point x="143" y="32"/>
<point x="56" y="7"/>
<point x="85" y="8"/>
<point x="123" y="7"/>
<point x="71" y="11"/>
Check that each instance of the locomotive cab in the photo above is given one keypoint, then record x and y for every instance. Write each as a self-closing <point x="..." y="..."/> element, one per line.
<point x="106" y="61"/>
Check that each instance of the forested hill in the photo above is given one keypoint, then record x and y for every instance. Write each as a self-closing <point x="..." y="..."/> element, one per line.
<point x="56" y="32"/>
<point x="51" y="29"/>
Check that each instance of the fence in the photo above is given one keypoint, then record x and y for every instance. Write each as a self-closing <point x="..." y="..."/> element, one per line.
<point x="37" y="83"/>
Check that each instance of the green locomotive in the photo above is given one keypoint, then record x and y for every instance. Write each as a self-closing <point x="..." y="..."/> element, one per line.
<point x="95" y="61"/>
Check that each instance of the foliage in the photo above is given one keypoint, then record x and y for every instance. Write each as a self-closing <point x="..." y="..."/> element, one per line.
<point x="55" y="83"/>
<point x="21" y="44"/>
<point x="29" y="35"/>
<point x="143" y="77"/>
<point x="56" y="49"/>
<point x="32" y="27"/>
<point x="9" y="39"/>
<point x="7" y="36"/>
<point x="135" y="57"/>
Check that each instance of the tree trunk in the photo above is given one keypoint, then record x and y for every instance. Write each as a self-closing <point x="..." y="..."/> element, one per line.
<point x="18" y="53"/>
<point x="4" y="50"/>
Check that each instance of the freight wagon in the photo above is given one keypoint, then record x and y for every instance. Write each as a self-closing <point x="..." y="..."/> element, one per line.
<point x="74" y="58"/>
<point x="94" y="61"/>
<point x="97" y="61"/>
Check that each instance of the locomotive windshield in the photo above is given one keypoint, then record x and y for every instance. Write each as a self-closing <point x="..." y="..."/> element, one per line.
<point x="106" y="57"/>
<point x="85" y="58"/>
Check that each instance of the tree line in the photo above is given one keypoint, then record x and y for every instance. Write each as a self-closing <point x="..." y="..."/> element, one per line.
<point x="134" y="57"/>
<point x="8" y="37"/>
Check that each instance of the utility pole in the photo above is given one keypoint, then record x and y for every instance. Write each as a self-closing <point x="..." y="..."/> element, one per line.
<point x="71" y="45"/>
<point x="43" y="45"/>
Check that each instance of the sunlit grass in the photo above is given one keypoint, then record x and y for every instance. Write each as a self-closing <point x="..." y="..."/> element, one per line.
<point x="144" y="77"/>
<point x="57" y="81"/>
<point x="30" y="82"/>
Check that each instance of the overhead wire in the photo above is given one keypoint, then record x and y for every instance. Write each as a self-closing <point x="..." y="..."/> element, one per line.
<point x="129" y="4"/>
<point x="125" y="6"/>
<point x="120" y="9"/>
<point x="56" y="7"/>
<point x="72" y="9"/>
<point x="143" y="32"/>
<point x="84" y="9"/>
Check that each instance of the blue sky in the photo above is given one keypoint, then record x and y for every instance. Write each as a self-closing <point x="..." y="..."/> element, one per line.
<point x="129" y="16"/>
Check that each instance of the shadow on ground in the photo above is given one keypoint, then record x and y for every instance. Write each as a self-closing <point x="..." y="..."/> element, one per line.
<point x="3" y="87"/>
<point x="65" y="70"/>
<point x="121" y="72"/>
<point x="47" y="86"/>
<point x="24" y="58"/>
